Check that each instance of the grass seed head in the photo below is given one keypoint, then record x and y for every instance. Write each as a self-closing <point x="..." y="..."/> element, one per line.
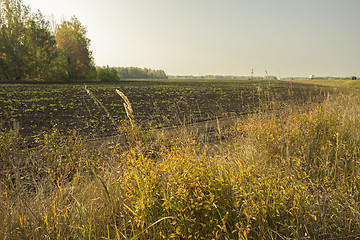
<point x="127" y="106"/>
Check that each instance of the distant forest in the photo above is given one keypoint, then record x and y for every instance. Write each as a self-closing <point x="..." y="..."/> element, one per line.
<point x="135" y="72"/>
<point x="33" y="48"/>
<point x="116" y="73"/>
<point x="222" y="77"/>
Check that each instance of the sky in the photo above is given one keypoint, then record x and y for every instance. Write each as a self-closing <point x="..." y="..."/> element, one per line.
<point x="286" y="38"/>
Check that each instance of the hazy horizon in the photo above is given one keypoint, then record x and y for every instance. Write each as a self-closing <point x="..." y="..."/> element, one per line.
<point x="212" y="37"/>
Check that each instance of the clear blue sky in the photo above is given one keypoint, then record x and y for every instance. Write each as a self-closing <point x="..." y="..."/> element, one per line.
<point x="290" y="37"/>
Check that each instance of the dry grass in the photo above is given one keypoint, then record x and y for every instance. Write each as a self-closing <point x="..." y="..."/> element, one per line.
<point x="289" y="175"/>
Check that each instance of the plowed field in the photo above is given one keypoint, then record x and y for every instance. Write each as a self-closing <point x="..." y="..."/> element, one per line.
<point x="39" y="108"/>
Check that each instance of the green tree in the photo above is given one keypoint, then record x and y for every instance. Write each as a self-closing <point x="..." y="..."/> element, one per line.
<point x="28" y="47"/>
<point x="43" y="59"/>
<point x="74" y="45"/>
<point x="13" y="18"/>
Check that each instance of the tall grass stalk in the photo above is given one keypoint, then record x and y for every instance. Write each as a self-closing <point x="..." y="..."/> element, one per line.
<point x="128" y="108"/>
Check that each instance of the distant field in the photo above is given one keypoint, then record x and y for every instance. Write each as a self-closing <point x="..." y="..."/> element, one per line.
<point x="39" y="108"/>
<point x="354" y="84"/>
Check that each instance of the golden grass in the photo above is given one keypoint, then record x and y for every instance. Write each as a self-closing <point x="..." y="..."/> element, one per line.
<point x="288" y="175"/>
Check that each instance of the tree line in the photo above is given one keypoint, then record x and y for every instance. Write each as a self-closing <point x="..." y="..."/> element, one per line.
<point x="135" y="72"/>
<point x="223" y="77"/>
<point x="116" y="73"/>
<point x="33" y="48"/>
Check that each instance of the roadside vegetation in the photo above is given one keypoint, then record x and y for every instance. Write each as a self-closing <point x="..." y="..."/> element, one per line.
<point x="289" y="174"/>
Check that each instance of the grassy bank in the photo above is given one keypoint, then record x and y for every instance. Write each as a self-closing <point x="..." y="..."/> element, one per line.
<point x="343" y="83"/>
<point x="288" y="175"/>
